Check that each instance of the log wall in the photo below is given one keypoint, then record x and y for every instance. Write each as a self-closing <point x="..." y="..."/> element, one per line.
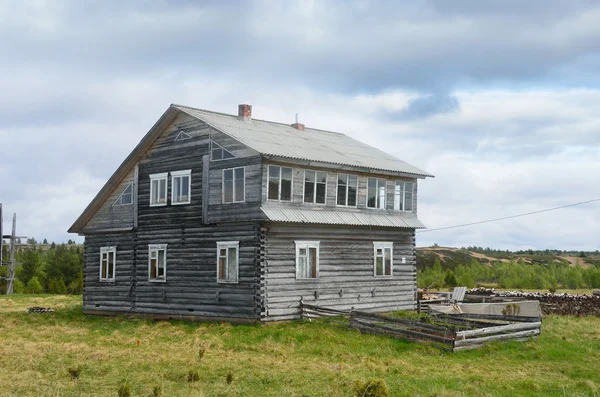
<point x="346" y="277"/>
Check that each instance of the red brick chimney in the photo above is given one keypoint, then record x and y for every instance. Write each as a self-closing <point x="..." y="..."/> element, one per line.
<point x="245" y="111"/>
<point x="298" y="126"/>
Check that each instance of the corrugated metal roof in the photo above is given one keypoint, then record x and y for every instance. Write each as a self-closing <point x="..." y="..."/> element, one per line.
<point x="277" y="139"/>
<point x="342" y="217"/>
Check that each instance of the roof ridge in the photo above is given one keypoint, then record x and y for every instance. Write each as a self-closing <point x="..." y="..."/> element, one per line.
<point x="253" y="119"/>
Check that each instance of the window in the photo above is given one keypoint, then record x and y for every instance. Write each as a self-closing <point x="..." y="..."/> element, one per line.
<point x="182" y="136"/>
<point x="218" y="153"/>
<point x="403" y="196"/>
<point x="383" y="259"/>
<point x="158" y="189"/>
<point x="280" y="183"/>
<point x="234" y="185"/>
<point x="126" y="197"/>
<point x="108" y="258"/>
<point x="227" y="261"/>
<point x="307" y="259"/>
<point x="346" y="190"/>
<point x="376" y="193"/>
<point x="315" y="186"/>
<point x="157" y="262"/>
<point x="181" y="187"/>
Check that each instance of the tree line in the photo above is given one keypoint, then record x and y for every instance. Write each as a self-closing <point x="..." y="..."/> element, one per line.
<point x="55" y="270"/>
<point x="514" y="274"/>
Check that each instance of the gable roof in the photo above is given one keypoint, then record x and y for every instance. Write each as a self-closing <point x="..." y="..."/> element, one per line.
<point x="266" y="137"/>
<point x="282" y="140"/>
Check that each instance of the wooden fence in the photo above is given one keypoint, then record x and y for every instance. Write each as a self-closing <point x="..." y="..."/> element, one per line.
<point x="453" y="332"/>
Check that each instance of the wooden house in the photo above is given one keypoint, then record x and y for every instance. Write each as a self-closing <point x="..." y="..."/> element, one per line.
<point x="223" y="217"/>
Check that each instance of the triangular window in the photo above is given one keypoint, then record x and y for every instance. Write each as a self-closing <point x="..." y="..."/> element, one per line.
<point x="218" y="153"/>
<point x="126" y="197"/>
<point x="182" y="136"/>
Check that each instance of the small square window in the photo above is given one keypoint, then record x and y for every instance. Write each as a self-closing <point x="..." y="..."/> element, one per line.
<point x="158" y="189"/>
<point x="234" y="185"/>
<point x="280" y="183"/>
<point x="228" y="261"/>
<point x="157" y="262"/>
<point x="307" y="259"/>
<point x="108" y="260"/>
<point x="383" y="259"/>
<point x="181" y="187"/>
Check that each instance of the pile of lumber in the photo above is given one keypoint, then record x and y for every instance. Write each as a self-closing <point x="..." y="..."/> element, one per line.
<point x="563" y="304"/>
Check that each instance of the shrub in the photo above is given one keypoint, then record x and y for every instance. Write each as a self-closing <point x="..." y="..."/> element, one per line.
<point x="193" y="376"/>
<point x="74" y="372"/>
<point x="18" y="286"/>
<point x="124" y="390"/>
<point x="229" y="377"/>
<point x="201" y="352"/>
<point x="372" y="388"/>
<point x="34" y="286"/>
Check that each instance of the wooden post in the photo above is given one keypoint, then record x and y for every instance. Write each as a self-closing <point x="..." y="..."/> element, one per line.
<point x="10" y="276"/>
<point x="205" y="191"/>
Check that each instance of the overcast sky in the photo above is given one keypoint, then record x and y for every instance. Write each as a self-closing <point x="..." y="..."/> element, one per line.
<point x="499" y="100"/>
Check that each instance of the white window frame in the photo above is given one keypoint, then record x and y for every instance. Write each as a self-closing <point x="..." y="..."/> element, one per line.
<point x="181" y="174"/>
<point x="377" y="187"/>
<point x="403" y="193"/>
<point x="223" y="186"/>
<point x="158" y="177"/>
<point x="279" y="187"/>
<point x="383" y="246"/>
<point x="103" y="251"/>
<point x="306" y="245"/>
<point x="222" y="149"/>
<point x="315" y="189"/>
<point x="226" y="245"/>
<point x="156" y="248"/>
<point x="118" y="202"/>
<point x="337" y="180"/>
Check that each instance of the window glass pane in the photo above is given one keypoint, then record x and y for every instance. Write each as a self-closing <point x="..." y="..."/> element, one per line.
<point x="228" y="175"/>
<point x="222" y="267"/>
<point x="154" y="198"/>
<point x="228" y="191"/>
<point x="388" y="261"/>
<point x="129" y="189"/>
<point x="239" y="190"/>
<point x="232" y="264"/>
<point x="176" y="188"/>
<point x="111" y="270"/>
<point x="381" y="191"/>
<point x="321" y="177"/>
<point x="162" y="197"/>
<point x="217" y="154"/>
<point x="303" y="270"/>
<point x="286" y="189"/>
<point x="286" y="173"/>
<point x="409" y="196"/>
<point x="312" y="257"/>
<point x="321" y="192"/>
<point x="239" y="173"/>
<point x="226" y="154"/>
<point x="161" y="263"/>
<point x="372" y="183"/>
<point x="103" y="269"/>
<point x="309" y="191"/>
<point x="398" y="196"/>
<point x="378" y="265"/>
<point x="352" y="180"/>
<point x="274" y="171"/>
<point x="341" y="189"/>
<point x="153" y="268"/>
<point x="309" y="176"/>
<point x="273" y="189"/>
<point x="185" y="188"/>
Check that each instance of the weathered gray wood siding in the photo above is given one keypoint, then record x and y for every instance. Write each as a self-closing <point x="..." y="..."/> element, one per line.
<point x="108" y="295"/>
<point x="346" y="268"/>
<point x="113" y="217"/>
<point x="331" y="198"/>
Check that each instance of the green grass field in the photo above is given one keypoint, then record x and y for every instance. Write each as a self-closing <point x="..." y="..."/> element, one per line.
<point x="284" y="359"/>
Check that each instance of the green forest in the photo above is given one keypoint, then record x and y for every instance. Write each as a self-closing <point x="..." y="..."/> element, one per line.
<point x="54" y="269"/>
<point x="445" y="268"/>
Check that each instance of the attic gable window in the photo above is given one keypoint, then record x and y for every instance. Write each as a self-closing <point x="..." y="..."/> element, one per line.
<point x="228" y="261"/>
<point x="346" y="190"/>
<point x="182" y="136"/>
<point x="218" y="153"/>
<point x="234" y="185"/>
<point x="181" y="187"/>
<point x="280" y="183"/>
<point x="126" y="197"/>
<point x="108" y="258"/>
<point x="157" y="262"/>
<point x="307" y="259"/>
<point x="376" y="193"/>
<point x="403" y="196"/>
<point x="315" y="186"/>
<point x="158" y="189"/>
<point x="383" y="259"/>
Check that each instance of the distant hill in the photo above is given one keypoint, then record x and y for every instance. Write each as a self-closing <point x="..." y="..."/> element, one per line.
<point x="451" y="257"/>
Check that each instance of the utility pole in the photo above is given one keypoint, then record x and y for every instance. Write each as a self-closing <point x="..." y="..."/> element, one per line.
<point x="10" y="276"/>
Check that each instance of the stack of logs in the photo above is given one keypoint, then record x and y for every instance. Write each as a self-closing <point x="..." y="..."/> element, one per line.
<point x="563" y="304"/>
